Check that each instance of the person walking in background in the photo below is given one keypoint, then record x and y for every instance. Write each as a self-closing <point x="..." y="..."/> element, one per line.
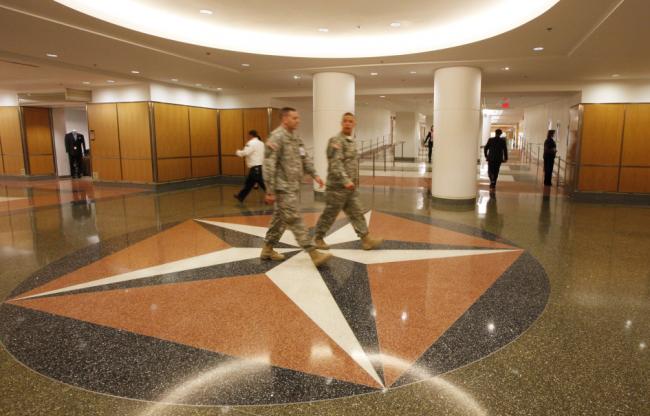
<point x="254" y="154"/>
<point x="428" y="142"/>
<point x="496" y="152"/>
<point x="341" y="192"/>
<point x="284" y="166"/>
<point x="550" y="150"/>
<point x="75" y="147"/>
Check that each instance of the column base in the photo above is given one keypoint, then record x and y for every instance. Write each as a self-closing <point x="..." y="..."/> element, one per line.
<point x="454" y="202"/>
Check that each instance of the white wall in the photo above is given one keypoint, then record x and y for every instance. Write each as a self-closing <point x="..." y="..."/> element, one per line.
<point x="184" y="96"/>
<point x="8" y="98"/>
<point x="65" y="120"/>
<point x="617" y="92"/>
<point x="538" y="119"/>
<point x="122" y="94"/>
<point x="407" y="129"/>
<point x="372" y="123"/>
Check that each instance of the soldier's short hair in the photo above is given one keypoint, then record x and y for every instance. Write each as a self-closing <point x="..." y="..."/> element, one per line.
<point x="348" y="114"/>
<point x="285" y="111"/>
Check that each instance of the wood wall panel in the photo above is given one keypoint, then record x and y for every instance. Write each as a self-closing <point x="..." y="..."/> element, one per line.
<point x="13" y="164"/>
<point x="636" y="136"/>
<point x="107" y="169"/>
<point x="635" y="180"/>
<point x="174" y="169"/>
<point x="104" y="138"/>
<point x="10" y="131"/>
<point x="204" y="134"/>
<point x="205" y="166"/>
<point x="135" y="138"/>
<point x="137" y="170"/>
<point x="232" y="131"/>
<point x="2" y="165"/>
<point x="41" y="165"/>
<point x="38" y="131"/>
<point x="598" y="179"/>
<point x="256" y="119"/>
<point x="232" y="166"/>
<point x="275" y="118"/>
<point x="602" y="132"/>
<point x="172" y="130"/>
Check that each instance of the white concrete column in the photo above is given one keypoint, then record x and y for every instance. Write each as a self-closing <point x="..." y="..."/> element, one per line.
<point x="456" y="116"/>
<point x="334" y="95"/>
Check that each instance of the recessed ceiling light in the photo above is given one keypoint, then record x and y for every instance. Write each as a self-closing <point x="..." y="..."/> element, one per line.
<point x="374" y="74"/>
<point x="297" y="77"/>
<point x="538" y="48"/>
<point x="205" y="11"/>
<point x="51" y="55"/>
<point x="135" y="72"/>
<point x="245" y="65"/>
<point x="395" y="24"/>
<point x="616" y="75"/>
<point x="414" y="72"/>
<point x="198" y="85"/>
<point x="323" y="29"/>
<point x="219" y="89"/>
<point x="175" y="79"/>
<point x="382" y="96"/>
<point x="507" y="68"/>
<point x="86" y="82"/>
<point x="110" y="81"/>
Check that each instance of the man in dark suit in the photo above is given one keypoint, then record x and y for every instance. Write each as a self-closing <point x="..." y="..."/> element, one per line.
<point x="75" y="146"/>
<point x="496" y="152"/>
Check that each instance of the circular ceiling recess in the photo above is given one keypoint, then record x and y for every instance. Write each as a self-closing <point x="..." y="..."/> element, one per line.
<point x="332" y="29"/>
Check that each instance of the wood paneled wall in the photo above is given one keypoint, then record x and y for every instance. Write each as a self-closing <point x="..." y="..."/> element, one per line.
<point x="615" y="148"/>
<point x="11" y="146"/>
<point x="104" y="142"/>
<point x="232" y="138"/>
<point x="135" y="142"/>
<point x="173" y="142"/>
<point x="204" y="142"/>
<point x="38" y="135"/>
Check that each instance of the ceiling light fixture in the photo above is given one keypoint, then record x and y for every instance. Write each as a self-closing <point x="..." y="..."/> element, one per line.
<point x="219" y="89"/>
<point x="135" y="72"/>
<point x="198" y="85"/>
<point x="205" y="11"/>
<point x="616" y="75"/>
<point x="538" y="48"/>
<point x="110" y="81"/>
<point x="395" y="24"/>
<point x="323" y="29"/>
<point x="297" y="77"/>
<point x="414" y="72"/>
<point x="86" y="82"/>
<point x="382" y="96"/>
<point x="373" y="74"/>
<point x="51" y="55"/>
<point x="507" y="68"/>
<point x="245" y="65"/>
<point x="175" y="79"/>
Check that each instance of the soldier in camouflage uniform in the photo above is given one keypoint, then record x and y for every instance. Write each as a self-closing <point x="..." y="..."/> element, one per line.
<point x="341" y="193"/>
<point x="285" y="163"/>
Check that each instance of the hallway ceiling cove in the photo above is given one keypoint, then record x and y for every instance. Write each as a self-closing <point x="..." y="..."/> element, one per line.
<point x="315" y="29"/>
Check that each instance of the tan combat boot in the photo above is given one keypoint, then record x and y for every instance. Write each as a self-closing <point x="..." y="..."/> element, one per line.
<point x="320" y="244"/>
<point x="319" y="258"/>
<point x="269" y="254"/>
<point x="369" y="243"/>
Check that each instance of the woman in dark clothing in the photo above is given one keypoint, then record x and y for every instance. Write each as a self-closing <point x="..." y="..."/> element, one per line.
<point x="550" y="150"/>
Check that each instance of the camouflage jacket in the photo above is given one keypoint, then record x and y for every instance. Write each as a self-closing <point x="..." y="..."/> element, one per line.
<point x="342" y="161"/>
<point x="286" y="161"/>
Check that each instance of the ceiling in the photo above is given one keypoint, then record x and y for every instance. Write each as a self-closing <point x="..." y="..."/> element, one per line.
<point x="583" y="40"/>
<point x="332" y="29"/>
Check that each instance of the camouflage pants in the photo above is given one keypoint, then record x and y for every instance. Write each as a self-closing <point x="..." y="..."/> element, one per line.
<point x="338" y="199"/>
<point x="286" y="215"/>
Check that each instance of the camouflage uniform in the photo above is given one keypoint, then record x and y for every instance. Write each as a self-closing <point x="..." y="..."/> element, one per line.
<point x="342" y="160"/>
<point x="283" y="173"/>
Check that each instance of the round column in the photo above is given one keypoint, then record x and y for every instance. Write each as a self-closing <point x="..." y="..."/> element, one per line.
<point x="456" y="117"/>
<point x="334" y="94"/>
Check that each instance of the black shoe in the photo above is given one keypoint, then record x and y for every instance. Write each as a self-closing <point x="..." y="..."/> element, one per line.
<point x="236" y="196"/>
